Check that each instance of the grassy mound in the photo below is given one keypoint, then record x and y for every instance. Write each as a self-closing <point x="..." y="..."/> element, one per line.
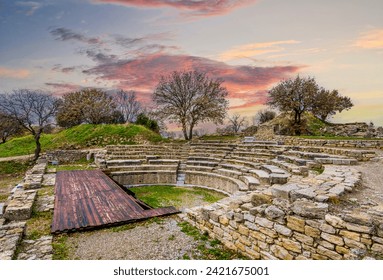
<point x="82" y="136"/>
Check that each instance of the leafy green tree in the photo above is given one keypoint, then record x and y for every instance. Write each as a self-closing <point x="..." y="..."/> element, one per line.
<point x="296" y="96"/>
<point x="190" y="98"/>
<point x="327" y="103"/>
<point x="144" y="120"/>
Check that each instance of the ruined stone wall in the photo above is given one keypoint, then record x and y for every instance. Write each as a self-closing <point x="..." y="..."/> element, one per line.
<point x="261" y="228"/>
<point x="147" y="177"/>
<point x="360" y="144"/>
<point x="66" y="156"/>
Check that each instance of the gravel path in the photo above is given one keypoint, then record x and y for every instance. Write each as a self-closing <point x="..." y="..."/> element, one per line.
<point x="155" y="241"/>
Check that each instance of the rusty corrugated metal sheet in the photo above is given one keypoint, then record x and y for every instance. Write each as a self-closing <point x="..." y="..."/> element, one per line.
<point x="89" y="199"/>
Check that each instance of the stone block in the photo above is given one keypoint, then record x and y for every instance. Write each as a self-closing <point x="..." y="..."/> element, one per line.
<point x="283" y="191"/>
<point x="280" y="252"/>
<point x="243" y="230"/>
<point x="327" y="228"/>
<point x="257" y="235"/>
<point x="307" y="193"/>
<point x="282" y="230"/>
<point x="335" y="221"/>
<point x="252" y="253"/>
<point x="273" y="212"/>
<point x="223" y="220"/>
<point x="264" y="222"/>
<point x="312" y="232"/>
<point x="334" y="239"/>
<point x="291" y="245"/>
<point x="269" y="232"/>
<point x="342" y="250"/>
<point x="359" y="228"/>
<point x="354" y="244"/>
<point x="310" y="209"/>
<point x="358" y="218"/>
<point x="20" y="206"/>
<point x="329" y="253"/>
<point x="295" y="223"/>
<point x="351" y="235"/>
<point x="249" y="217"/>
<point x="304" y="238"/>
<point x="377" y="248"/>
<point x="251" y="226"/>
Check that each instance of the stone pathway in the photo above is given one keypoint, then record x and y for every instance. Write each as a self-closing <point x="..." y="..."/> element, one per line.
<point x="39" y="249"/>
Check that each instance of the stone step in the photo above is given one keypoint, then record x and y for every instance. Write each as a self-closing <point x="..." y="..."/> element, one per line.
<point x="273" y="169"/>
<point x="250" y="181"/>
<point x="336" y="161"/>
<point x="180" y="183"/>
<point x="229" y="173"/>
<point x="262" y="175"/>
<point x="277" y="178"/>
<point x="164" y="161"/>
<point x="239" y="168"/>
<point x="202" y="163"/>
<point x="290" y="167"/>
<point x="11" y="235"/>
<point x="20" y="205"/>
<point x="110" y="163"/>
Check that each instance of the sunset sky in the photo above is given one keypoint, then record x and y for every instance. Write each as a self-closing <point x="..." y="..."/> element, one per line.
<point x="65" y="45"/>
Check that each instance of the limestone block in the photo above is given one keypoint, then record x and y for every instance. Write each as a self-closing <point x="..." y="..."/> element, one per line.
<point x="351" y="235"/>
<point x="251" y="226"/>
<point x="307" y="193"/>
<point x="304" y="238"/>
<point x="358" y="218"/>
<point x="326" y="244"/>
<point x="257" y="235"/>
<point x="312" y="232"/>
<point x="296" y="223"/>
<point x="243" y="230"/>
<point x="264" y="222"/>
<point x="249" y="217"/>
<point x="282" y="230"/>
<point x="260" y="198"/>
<point x="283" y="191"/>
<point x="274" y="212"/>
<point x="20" y="206"/>
<point x="310" y="209"/>
<point x="269" y="232"/>
<point x="359" y="228"/>
<point x="374" y="238"/>
<point x="329" y="253"/>
<point x="337" y="240"/>
<point x="280" y="252"/>
<point x="327" y="228"/>
<point x="291" y="245"/>
<point x="354" y="244"/>
<point x="252" y="253"/>
<point x="377" y="248"/>
<point x="335" y="221"/>
<point x="223" y="220"/>
<point x="342" y="250"/>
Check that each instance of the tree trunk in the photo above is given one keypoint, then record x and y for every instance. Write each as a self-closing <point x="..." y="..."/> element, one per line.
<point x="184" y="130"/>
<point x="38" y="145"/>
<point x="191" y="131"/>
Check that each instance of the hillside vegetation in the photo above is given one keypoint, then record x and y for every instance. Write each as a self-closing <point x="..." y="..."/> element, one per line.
<point x="81" y="136"/>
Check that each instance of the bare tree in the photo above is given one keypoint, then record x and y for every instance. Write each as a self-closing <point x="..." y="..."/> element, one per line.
<point x="9" y="126"/>
<point x="189" y="98"/>
<point x="90" y="105"/>
<point x="128" y="105"/>
<point x="33" y="110"/>
<point x="236" y="122"/>
<point x="263" y="116"/>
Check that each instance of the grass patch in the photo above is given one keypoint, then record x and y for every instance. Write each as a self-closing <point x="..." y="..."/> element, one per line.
<point x="39" y="225"/>
<point x="319" y="170"/>
<point x="60" y="247"/>
<point x="46" y="191"/>
<point x="3" y="197"/>
<point x="161" y="196"/>
<point x="210" y="249"/>
<point x="70" y="167"/>
<point x="220" y="137"/>
<point x="14" y="167"/>
<point x="82" y="136"/>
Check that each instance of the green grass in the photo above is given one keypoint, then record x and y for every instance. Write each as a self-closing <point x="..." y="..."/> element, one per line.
<point x="160" y="196"/>
<point x="14" y="167"/>
<point x="82" y="136"/>
<point x="219" y="137"/>
<point x="60" y="247"/>
<point x="39" y="225"/>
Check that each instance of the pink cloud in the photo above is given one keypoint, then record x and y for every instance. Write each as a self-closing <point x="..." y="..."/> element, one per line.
<point x="14" y="73"/>
<point x="372" y="39"/>
<point x="143" y="73"/>
<point x="59" y="89"/>
<point x="199" y="8"/>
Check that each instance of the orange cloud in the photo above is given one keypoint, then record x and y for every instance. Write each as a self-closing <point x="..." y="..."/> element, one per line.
<point x="372" y="39"/>
<point x="197" y="8"/>
<point x="250" y="50"/>
<point x="14" y="73"/>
